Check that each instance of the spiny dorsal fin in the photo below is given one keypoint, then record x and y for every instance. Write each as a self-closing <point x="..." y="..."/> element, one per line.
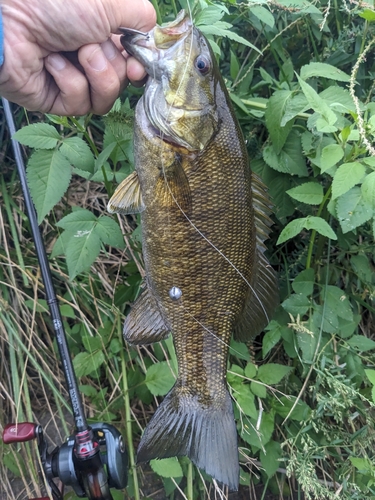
<point x="127" y="199"/>
<point x="264" y="297"/>
<point x="144" y="324"/>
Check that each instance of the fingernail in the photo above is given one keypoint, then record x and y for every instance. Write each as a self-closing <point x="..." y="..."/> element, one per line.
<point x="109" y="50"/>
<point x="98" y="61"/>
<point x="56" y="61"/>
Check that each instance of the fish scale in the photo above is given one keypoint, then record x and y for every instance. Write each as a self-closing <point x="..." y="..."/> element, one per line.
<point x="204" y="220"/>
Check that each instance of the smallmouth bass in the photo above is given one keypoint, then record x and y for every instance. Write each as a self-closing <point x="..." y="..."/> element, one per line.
<point x="205" y="217"/>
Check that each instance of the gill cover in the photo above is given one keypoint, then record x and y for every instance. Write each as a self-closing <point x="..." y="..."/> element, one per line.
<point x="180" y="99"/>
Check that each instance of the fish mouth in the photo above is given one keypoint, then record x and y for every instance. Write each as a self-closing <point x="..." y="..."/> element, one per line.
<point x="157" y="41"/>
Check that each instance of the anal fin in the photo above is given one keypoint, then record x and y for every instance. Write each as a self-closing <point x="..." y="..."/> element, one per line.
<point x="144" y="324"/>
<point x="127" y="199"/>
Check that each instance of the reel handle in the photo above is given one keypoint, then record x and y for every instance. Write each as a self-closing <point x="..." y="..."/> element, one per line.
<point x="20" y="433"/>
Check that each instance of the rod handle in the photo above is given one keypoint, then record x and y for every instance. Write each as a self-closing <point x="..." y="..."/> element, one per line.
<point x="20" y="433"/>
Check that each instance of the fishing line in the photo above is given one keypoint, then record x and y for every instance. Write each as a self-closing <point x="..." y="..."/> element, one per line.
<point x="181" y="209"/>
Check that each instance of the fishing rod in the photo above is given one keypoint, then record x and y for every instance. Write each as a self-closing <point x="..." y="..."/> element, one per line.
<point x="94" y="458"/>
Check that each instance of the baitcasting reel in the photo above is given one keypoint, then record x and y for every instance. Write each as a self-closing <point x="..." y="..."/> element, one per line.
<point x="91" y="461"/>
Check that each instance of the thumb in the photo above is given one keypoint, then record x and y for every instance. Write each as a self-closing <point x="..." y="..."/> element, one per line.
<point x="135" y="14"/>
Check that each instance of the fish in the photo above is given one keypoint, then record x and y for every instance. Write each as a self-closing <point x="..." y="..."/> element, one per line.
<point x="204" y="219"/>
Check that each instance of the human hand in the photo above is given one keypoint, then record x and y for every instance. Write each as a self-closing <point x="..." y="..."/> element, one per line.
<point x="61" y="56"/>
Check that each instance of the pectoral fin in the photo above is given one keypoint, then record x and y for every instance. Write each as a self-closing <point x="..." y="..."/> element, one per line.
<point x="173" y="188"/>
<point x="127" y="199"/>
<point x="144" y="324"/>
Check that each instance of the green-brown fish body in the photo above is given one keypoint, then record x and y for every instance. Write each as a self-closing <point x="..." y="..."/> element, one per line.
<point x="204" y="219"/>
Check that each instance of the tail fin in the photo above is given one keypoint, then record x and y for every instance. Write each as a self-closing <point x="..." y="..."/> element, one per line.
<point x="206" y="434"/>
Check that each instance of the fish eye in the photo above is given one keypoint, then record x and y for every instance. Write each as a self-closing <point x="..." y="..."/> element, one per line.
<point x="202" y="64"/>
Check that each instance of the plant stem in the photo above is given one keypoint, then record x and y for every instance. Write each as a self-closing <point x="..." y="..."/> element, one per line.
<point x="313" y="232"/>
<point x="189" y="480"/>
<point x="158" y="14"/>
<point x="128" y="420"/>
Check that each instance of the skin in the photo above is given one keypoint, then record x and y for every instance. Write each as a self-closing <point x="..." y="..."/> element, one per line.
<point x="63" y="56"/>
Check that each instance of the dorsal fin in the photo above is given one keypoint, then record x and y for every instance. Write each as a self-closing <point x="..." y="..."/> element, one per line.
<point x="263" y="298"/>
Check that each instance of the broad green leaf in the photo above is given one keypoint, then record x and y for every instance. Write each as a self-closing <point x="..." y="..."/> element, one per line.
<point x="310" y="222"/>
<point x="13" y="461"/>
<point x="317" y="103"/>
<point x="284" y="404"/>
<point x="304" y="282"/>
<point x="210" y="15"/>
<point x="259" y="438"/>
<point x="273" y="115"/>
<point x="80" y="219"/>
<point x="271" y="338"/>
<point x="310" y="193"/>
<point x="221" y="28"/>
<point x="336" y="300"/>
<point x="110" y="232"/>
<point x="270" y="457"/>
<point x="258" y="389"/>
<point x="291" y="230"/>
<point x="362" y="267"/>
<point x="352" y="210"/>
<point x="371" y="376"/>
<point x="159" y="379"/>
<point x="86" y="363"/>
<point x="167" y="467"/>
<point x="239" y="349"/>
<point x="48" y="177"/>
<point x="278" y="185"/>
<point x="67" y="311"/>
<point x="38" y="136"/>
<point x="361" y="343"/>
<point x="347" y="176"/>
<point x="347" y="328"/>
<point x="307" y="341"/>
<point x="272" y="373"/>
<point x="330" y="155"/>
<point x="77" y="151"/>
<point x="245" y="400"/>
<point x="325" y="319"/>
<point x="324" y="70"/>
<point x="82" y="250"/>
<point x="293" y="107"/>
<point x="263" y="14"/>
<point x="250" y="370"/>
<point x="297" y="304"/>
<point x="368" y="14"/>
<point x="290" y="160"/>
<point x="338" y="99"/>
<point x="368" y="189"/>
<point x="234" y="66"/>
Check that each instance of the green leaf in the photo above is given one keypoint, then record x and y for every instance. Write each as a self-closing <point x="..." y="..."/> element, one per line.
<point x="368" y="14"/>
<point x="245" y="400"/>
<point x="310" y="193"/>
<point x="290" y="160"/>
<point x="258" y="389"/>
<point x="347" y="176"/>
<point x="38" y="136"/>
<point x="270" y="457"/>
<point x="159" y="379"/>
<point x="336" y="300"/>
<point x="48" y="177"/>
<point x="323" y="70"/>
<point x="259" y="438"/>
<point x="82" y="250"/>
<point x="338" y="99"/>
<point x="210" y="15"/>
<point x="371" y="376"/>
<point x="307" y="341"/>
<point x="221" y="28"/>
<point x="272" y="373"/>
<point x="296" y="304"/>
<point x="361" y="343"/>
<point x="330" y="155"/>
<point x="271" y="338"/>
<point x="273" y="116"/>
<point x="86" y="363"/>
<point x="264" y="15"/>
<point x="77" y="151"/>
<point x="310" y="222"/>
<point x="80" y="219"/>
<point x="250" y="370"/>
<point x="110" y="232"/>
<point x="317" y="103"/>
<point x="167" y="467"/>
<point x="325" y="318"/>
<point x="304" y="282"/>
<point x="284" y="404"/>
<point x="352" y="210"/>
<point x="368" y="189"/>
<point x="294" y="106"/>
